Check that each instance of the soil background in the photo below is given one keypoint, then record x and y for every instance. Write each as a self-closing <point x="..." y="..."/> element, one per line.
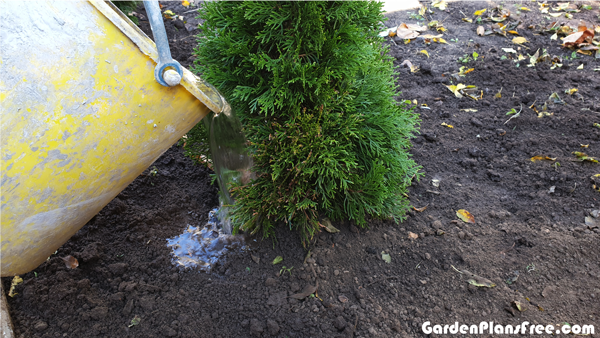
<point x="522" y="225"/>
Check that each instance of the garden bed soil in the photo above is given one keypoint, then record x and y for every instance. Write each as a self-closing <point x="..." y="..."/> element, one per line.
<point x="529" y="219"/>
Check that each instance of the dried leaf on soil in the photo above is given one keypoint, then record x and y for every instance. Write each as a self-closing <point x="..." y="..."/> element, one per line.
<point x="15" y="281"/>
<point x="135" y="321"/>
<point x="412" y="235"/>
<point x="525" y="9"/>
<point x="406" y="63"/>
<point x="307" y="291"/>
<point x="328" y="226"/>
<point x="465" y="216"/>
<point x="461" y="90"/>
<point x="580" y="67"/>
<point x="447" y="125"/>
<point x="555" y="98"/>
<point x="456" y="88"/>
<point x="441" y="4"/>
<point x="169" y="14"/>
<point x="571" y="91"/>
<point x="70" y="261"/>
<point x="479" y="12"/>
<point x="424" y="52"/>
<point x="185" y="3"/>
<point x="520" y="306"/>
<point x="480" y="31"/>
<point x="467" y="20"/>
<point x="404" y="32"/>
<point x="473" y="279"/>
<point x="391" y="32"/>
<point x="584" y="157"/>
<point x="277" y="260"/>
<point x="386" y="257"/>
<point x="420" y="209"/>
<point x="469" y="110"/>
<point x="519" y="40"/>
<point x="539" y="158"/>
<point x="480" y="281"/>
<point x="578" y="38"/>
<point x="509" y="50"/>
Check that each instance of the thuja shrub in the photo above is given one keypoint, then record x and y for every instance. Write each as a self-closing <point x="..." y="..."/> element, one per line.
<point x="314" y="89"/>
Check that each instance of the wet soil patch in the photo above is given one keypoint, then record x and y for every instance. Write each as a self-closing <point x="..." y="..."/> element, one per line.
<point x="529" y="220"/>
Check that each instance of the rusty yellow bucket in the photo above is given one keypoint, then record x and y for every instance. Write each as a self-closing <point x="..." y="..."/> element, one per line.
<point x="82" y="117"/>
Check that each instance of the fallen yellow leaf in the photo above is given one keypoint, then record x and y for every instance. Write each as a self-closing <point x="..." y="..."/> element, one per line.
<point x="571" y="91"/>
<point x="441" y="4"/>
<point x="15" y="281"/>
<point x="168" y="14"/>
<point x="185" y="3"/>
<point x="525" y="9"/>
<point x="447" y="125"/>
<point x="465" y="216"/>
<point x="514" y="32"/>
<point x="479" y="12"/>
<point x="519" y="40"/>
<point x="580" y="67"/>
<point x="539" y="158"/>
<point x="455" y="89"/>
<point x="424" y="52"/>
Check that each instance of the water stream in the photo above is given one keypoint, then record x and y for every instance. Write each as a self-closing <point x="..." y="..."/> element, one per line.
<point x="201" y="246"/>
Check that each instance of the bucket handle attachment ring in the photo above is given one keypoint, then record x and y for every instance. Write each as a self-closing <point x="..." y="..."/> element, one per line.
<point x="167" y="72"/>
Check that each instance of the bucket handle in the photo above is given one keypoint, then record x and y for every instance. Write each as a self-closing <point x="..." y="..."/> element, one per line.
<point x="172" y="76"/>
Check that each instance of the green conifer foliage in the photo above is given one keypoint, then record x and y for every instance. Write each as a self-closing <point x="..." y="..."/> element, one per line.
<point x="314" y="89"/>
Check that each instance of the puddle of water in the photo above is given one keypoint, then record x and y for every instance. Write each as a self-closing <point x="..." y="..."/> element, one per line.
<point x="201" y="247"/>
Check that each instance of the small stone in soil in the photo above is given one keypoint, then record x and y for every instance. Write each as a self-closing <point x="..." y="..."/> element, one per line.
<point x="40" y="326"/>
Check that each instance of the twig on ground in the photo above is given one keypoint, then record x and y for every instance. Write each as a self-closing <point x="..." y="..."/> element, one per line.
<point x="503" y="253"/>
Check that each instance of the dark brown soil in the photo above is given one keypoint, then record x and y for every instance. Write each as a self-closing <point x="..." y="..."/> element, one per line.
<point x="482" y="165"/>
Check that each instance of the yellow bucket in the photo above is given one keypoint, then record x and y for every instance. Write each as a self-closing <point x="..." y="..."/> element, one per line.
<point x="82" y="117"/>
